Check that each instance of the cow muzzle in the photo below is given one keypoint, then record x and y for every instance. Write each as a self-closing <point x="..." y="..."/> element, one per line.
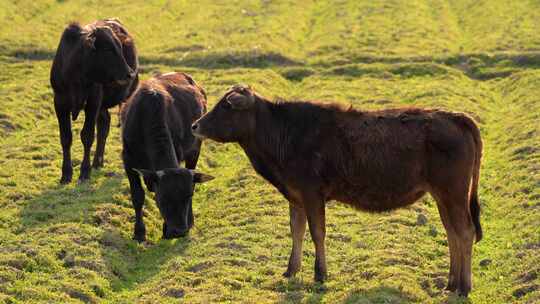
<point x="196" y="130"/>
<point x="174" y="233"/>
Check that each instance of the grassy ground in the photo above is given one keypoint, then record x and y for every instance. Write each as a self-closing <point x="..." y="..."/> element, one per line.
<point x="73" y="243"/>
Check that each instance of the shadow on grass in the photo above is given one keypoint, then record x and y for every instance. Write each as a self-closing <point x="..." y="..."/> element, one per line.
<point x="296" y="291"/>
<point x="381" y="294"/>
<point x="97" y="204"/>
<point x="63" y="204"/>
<point x="197" y="59"/>
<point x="224" y="60"/>
<point x="132" y="263"/>
<point x="478" y="66"/>
<point x="28" y="52"/>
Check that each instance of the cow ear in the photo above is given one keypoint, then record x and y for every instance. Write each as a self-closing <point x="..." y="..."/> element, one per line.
<point x="89" y="39"/>
<point x="199" y="177"/>
<point x="240" y="101"/>
<point x="148" y="174"/>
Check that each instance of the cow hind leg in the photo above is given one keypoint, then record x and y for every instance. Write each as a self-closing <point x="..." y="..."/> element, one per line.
<point x="298" y="230"/>
<point x="64" y="124"/>
<point x="465" y="234"/>
<point x="137" y="198"/>
<point x="316" y="221"/>
<point x="454" y="273"/>
<point x="461" y="234"/>
<point x="103" y="126"/>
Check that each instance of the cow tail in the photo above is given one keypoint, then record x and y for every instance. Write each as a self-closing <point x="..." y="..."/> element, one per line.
<point x="474" y="205"/>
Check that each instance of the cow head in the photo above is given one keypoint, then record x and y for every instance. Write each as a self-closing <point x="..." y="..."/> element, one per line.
<point x="174" y="190"/>
<point x="104" y="60"/>
<point x="232" y="119"/>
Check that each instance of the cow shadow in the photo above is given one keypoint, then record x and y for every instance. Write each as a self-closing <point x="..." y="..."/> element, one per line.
<point x="71" y="203"/>
<point x="131" y="263"/>
<point x="295" y="290"/>
<point x="102" y="203"/>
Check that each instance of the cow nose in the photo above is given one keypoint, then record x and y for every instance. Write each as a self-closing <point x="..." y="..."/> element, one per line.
<point x="195" y="126"/>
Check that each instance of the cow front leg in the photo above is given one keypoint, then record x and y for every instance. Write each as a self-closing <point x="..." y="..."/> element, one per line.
<point x="316" y="220"/>
<point x="191" y="163"/>
<point x="103" y="126"/>
<point x="137" y="198"/>
<point x="298" y="230"/>
<point x="64" y="123"/>
<point x="88" y="131"/>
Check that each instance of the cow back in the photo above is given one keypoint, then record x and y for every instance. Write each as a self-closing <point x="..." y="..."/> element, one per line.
<point x="166" y="103"/>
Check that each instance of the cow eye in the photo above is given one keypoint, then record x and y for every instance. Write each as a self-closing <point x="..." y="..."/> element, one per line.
<point x="227" y="105"/>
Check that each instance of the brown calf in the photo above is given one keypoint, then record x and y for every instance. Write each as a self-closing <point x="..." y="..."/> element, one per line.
<point x="374" y="161"/>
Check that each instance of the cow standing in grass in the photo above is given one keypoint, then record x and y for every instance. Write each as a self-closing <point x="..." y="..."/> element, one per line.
<point x="95" y="68"/>
<point x="156" y="137"/>
<point x="374" y="161"/>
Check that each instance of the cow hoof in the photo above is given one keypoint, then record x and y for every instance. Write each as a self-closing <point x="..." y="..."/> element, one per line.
<point x="320" y="277"/>
<point x="289" y="273"/>
<point x="82" y="180"/>
<point x="96" y="164"/>
<point x="451" y="287"/>
<point x="463" y="290"/>
<point x="65" y="180"/>
<point x="139" y="238"/>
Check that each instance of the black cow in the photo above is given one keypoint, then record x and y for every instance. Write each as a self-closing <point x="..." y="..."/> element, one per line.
<point x="95" y="68"/>
<point x="156" y="136"/>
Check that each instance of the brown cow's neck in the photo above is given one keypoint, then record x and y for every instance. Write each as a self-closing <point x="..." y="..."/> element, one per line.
<point x="267" y="139"/>
<point x="263" y="145"/>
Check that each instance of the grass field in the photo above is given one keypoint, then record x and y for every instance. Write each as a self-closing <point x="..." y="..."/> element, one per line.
<point x="70" y="244"/>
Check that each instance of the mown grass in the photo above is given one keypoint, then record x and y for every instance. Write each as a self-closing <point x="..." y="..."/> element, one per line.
<point x="73" y="243"/>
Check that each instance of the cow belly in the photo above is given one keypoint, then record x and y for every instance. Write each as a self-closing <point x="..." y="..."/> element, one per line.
<point x="377" y="202"/>
<point x="379" y="191"/>
<point x="396" y="178"/>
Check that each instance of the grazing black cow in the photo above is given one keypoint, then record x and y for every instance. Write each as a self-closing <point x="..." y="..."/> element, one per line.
<point x="156" y="137"/>
<point x="374" y="161"/>
<point x="95" y="68"/>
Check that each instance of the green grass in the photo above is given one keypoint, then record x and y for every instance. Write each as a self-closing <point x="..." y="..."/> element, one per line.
<point x="73" y="243"/>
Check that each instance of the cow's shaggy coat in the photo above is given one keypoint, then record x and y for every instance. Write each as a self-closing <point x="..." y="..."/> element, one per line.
<point x="371" y="160"/>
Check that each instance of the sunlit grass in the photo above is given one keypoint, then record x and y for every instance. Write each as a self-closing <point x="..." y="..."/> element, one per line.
<point x="73" y="243"/>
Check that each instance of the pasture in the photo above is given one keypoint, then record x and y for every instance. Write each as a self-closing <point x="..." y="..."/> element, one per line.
<point x="72" y="244"/>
